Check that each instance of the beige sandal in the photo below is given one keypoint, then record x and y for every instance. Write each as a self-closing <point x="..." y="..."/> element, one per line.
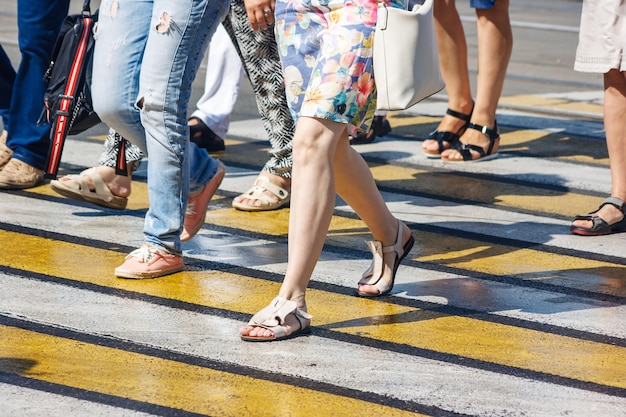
<point x="5" y="152"/>
<point x="78" y="189"/>
<point x="257" y="192"/>
<point x="374" y="276"/>
<point x="274" y="318"/>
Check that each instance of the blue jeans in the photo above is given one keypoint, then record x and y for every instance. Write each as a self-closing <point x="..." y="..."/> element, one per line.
<point x="146" y="56"/>
<point x="7" y="79"/>
<point x="482" y="4"/>
<point x="38" y="24"/>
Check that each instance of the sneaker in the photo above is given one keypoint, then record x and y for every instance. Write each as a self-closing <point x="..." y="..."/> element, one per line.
<point x="197" y="205"/>
<point x="5" y="152"/>
<point x="17" y="175"/>
<point x="149" y="262"/>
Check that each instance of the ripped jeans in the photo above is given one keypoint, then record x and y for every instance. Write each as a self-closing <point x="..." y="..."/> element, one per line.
<point x="146" y="57"/>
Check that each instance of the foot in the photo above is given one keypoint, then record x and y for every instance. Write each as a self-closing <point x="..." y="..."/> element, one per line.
<point x="149" y="262"/>
<point x="269" y="192"/>
<point x="380" y="277"/>
<point x="118" y="185"/>
<point x="281" y="319"/>
<point x="447" y="133"/>
<point x="609" y="218"/>
<point x="609" y="213"/>
<point x="204" y="137"/>
<point x="478" y="142"/>
<point x="198" y="203"/>
<point x="380" y="127"/>
<point x="17" y="175"/>
<point x="5" y="152"/>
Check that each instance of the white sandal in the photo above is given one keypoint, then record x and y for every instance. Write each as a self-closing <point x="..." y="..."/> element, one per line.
<point x="257" y="192"/>
<point x="274" y="317"/>
<point x="374" y="276"/>
<point x="78" y="189"/>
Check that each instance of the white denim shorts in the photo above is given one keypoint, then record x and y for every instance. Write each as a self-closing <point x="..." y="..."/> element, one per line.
<point x="602" y="38"/>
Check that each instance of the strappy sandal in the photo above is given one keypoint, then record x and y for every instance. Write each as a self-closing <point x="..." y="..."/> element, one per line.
<point x="257" y="192"/>
<point x="380" y="127"/>
<point x="600" y="226"/>
<point x="374" y="276"/>
<point x="465" y="148"/>
<point x="204" y="137"/>
<point x="274" y="318"/>
<point x="452" y="138"/>
<point x="78" y="189"/>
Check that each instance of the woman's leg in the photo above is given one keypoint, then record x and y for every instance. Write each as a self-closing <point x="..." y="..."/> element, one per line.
<point x="495" y="43"/>
<point x="324" y="162"/>
<point x="615" y="127"/>
<point x="453" y="61"/>
<point x="259" y="54"/>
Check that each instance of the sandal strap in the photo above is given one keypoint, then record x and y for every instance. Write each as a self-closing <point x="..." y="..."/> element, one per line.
<point x="276" y="312"/>
<point x="492" y="134"/>
<point x="459" y="115"/>
<point x="264" y="184"/>
<point x="614" y="201"/>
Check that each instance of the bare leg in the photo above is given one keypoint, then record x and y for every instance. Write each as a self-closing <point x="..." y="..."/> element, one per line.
<point x="323" y="160"/>
<point x="453" y="61"/>
<point x="495" y="43"/>
<point x="615" y="126"/>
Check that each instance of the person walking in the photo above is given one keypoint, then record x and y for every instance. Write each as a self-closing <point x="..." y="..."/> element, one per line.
<point x="469" y="130"/>
<point x="24" y="144"/>
<point x="330" y="87"/>
<point x="602" y="49"/>
<point x="142" y="92"/>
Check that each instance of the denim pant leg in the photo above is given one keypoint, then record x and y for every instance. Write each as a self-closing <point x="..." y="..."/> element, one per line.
<point x="7" y="79"/>
<point x="176" y="45"/>
<point x="38" y="24"/>
<point x="121" y="34"/>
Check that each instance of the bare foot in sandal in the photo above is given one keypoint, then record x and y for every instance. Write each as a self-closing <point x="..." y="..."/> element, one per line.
<point x="281" y="319"/>
<point x="118" y="185"/>
<point x="269" y="192"/>
<point x="98" y="185"/>
<point x="379" y="278"/>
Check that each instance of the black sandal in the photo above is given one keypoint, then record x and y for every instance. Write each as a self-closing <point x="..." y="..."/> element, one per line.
<point x="204" y="137"/>
<point x="465" y="148"/>
<point x="600" y="226"/>
<point x="451" y="137"/>
<point x="380" y="127"/>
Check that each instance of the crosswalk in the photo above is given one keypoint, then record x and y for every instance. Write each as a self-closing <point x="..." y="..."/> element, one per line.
<point x="497" y="311"/>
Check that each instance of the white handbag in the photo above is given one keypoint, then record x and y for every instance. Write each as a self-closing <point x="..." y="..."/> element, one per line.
<point x="406" y="59"/>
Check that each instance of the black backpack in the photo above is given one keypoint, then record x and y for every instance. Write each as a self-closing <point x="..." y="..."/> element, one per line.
<point x="67" y="101"/>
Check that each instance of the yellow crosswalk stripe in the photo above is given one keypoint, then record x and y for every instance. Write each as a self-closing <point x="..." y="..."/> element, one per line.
<point x="169" y="383"/>
<point x="487" y="341"/>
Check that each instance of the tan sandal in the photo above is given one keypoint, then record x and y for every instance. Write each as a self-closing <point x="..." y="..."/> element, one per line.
<point x="374" y="276"/>
<point x="257" y="192"/>
<point x="5" y="152"/>
<point x="274" y="318"/>
<point x="78" y="189"/>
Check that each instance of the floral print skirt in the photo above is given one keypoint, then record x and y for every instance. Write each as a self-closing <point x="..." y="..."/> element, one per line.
<point x="326" y="53"/>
